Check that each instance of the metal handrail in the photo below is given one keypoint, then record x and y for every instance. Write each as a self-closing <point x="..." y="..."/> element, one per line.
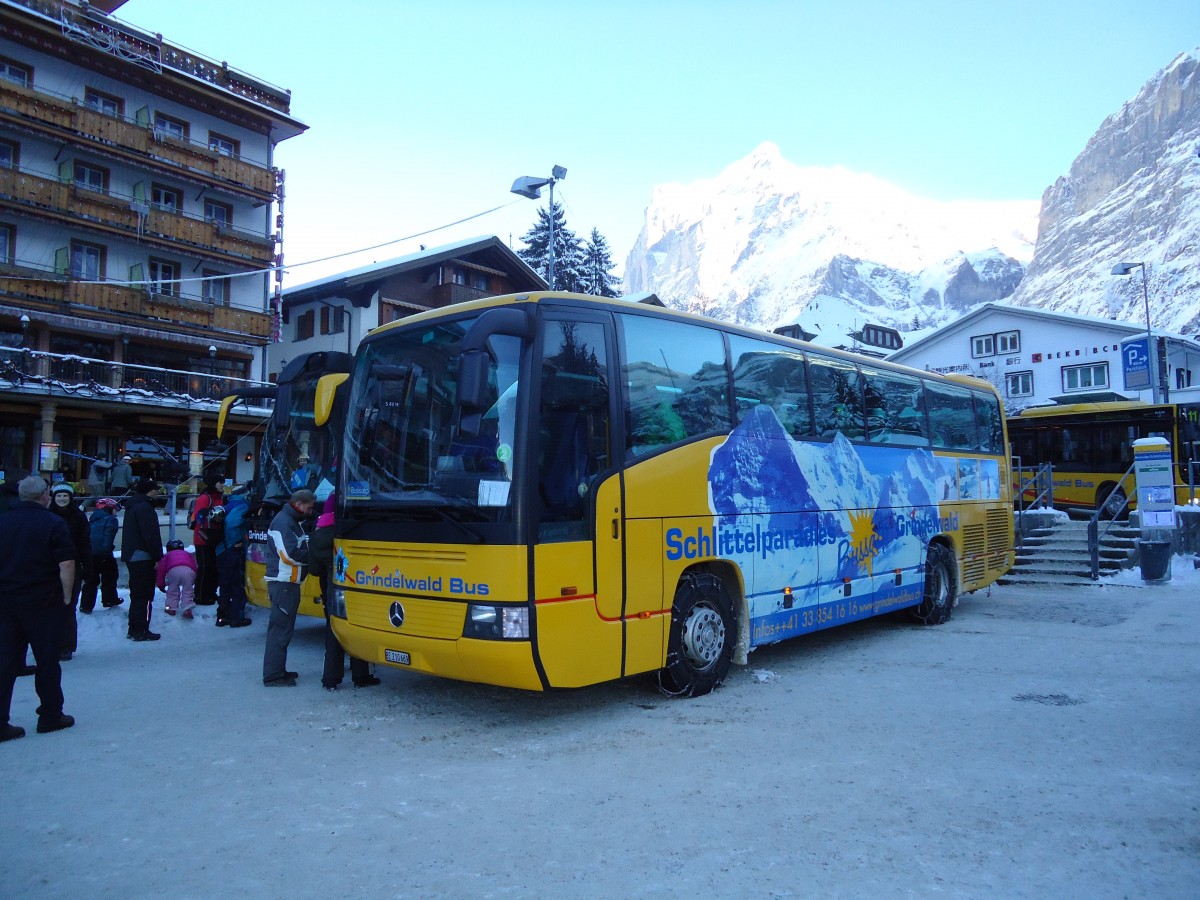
<point x="1093" y="530"/>
<point x="1041" y="474"/>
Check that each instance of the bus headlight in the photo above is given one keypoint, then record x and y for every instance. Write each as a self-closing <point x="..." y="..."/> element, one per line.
<point x="337" y="603"/>
<point x="505" y="623"/>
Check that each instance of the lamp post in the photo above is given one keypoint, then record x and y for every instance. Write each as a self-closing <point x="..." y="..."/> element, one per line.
<point x="24" y="328"/>
<point x="1151" y="350"/>
<point x="531" y="187"/>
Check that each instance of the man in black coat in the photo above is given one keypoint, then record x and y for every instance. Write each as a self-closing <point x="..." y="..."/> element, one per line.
<point x="141" y="549"/>
<point x="37" y="574"/>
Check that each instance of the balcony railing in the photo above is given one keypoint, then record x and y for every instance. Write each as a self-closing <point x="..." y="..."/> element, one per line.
<point x="56" y="374"/>
<point x="37" y="289"/>
<point x="67" y="117"/>
<point x="445" y="294"/>
<point x="68" y="202"/>
<point x="151" y="52"/>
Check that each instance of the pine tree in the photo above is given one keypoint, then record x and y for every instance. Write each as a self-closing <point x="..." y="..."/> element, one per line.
<point x="597" y="267"/>
<point x="568" y="250"/>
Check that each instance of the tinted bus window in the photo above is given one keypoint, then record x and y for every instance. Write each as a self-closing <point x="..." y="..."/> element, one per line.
<point x="990" y="423"/>
<point x="952" y="417"/>
<point x="766" y="375"/>
<point x="837" y="398"/>
<point x="895" y="409"/>
<point x="677" y="380"/>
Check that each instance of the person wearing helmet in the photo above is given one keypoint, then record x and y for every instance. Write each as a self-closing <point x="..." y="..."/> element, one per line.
<point x="102" y="569"/>
<point x="62" y="503"/>
<point x="176" y="577"/>
<point x="206" y="535"/>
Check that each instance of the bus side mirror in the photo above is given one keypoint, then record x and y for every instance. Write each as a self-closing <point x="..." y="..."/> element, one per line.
<point x="472" y="390"/>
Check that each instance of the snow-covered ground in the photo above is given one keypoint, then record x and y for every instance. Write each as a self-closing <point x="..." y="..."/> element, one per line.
<point x="1041" y="744"/>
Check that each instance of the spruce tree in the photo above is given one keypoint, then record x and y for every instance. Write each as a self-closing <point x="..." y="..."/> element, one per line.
<point x="597" y="267"/>
<point x="568" y="250"/>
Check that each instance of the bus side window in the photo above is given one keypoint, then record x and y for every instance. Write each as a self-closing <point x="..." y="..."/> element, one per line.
<point x="989" y="422"/>
<point x="764" y="374"/>
<point x="952" y="417"/>
<point x="837" y="398"/>
<point x="677" y="380"/>
<point x="574" y="426"/>
<point x="895" y="409"/>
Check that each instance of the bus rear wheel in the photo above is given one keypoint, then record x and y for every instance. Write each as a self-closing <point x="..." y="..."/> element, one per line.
<point x="1113" y="504"/>
<point x="703" y="630"/>
<point x="941" y="587"/>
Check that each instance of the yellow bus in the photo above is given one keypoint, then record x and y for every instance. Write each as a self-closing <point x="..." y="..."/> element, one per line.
<point x="553" y="490"/>
<point x="298" y="449"/>
<point x="1090" y="447"/>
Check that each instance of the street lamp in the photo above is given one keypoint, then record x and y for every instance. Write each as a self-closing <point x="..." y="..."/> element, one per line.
<point x="212" y="351"/>
<point x="531" y="187"/>
<point x="1151" y="350"/>
<point x="24" y="328"/>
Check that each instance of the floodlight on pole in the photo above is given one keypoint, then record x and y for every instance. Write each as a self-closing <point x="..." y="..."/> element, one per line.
<point x="531" y="187"/>
<point x="1151" y="350"/>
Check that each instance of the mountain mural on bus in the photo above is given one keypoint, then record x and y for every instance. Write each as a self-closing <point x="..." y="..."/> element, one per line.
<point x="814" y="516"/>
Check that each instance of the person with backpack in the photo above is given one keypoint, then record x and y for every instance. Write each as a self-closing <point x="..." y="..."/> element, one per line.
<point x="206" y="535"/>
<point x="231" y="564"/>
<point x="102" y="569"/>
<point x="141" y="549"/>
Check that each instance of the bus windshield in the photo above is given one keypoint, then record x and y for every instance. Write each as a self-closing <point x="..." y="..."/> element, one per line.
<point x="406" y="457"/>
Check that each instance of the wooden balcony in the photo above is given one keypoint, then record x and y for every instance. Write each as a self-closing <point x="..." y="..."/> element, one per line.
<point x="67" y="203"/>
<point x="36" y="290"/>
<point x="66" y="118"/>
<point x="446" y="294"/>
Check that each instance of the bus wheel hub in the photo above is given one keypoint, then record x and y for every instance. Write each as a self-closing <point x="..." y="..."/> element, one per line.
<point x="703" y="636"/>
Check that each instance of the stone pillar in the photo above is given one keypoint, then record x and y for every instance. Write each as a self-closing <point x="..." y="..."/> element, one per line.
<point x="49" y="413"/>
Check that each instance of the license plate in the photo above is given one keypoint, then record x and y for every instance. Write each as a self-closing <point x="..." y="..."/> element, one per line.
<point x="397" y="656"/>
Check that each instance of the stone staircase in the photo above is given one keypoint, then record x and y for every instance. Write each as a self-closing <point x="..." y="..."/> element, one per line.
<point x="1055" y="552"/>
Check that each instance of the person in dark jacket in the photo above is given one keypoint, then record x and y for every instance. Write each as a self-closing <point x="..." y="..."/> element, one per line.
<point x="320" y="562"/>
<point x="231" y="564"/>
<point x="37" y="574"/>
<point x="141" y="549"/>
<point x="102" y="568"/>
<point x="205" y="543"/>
<point x="285" y="574"/>
<point x="62" y="503"/>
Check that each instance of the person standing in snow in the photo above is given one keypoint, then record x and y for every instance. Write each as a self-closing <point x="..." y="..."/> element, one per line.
<point x="102" y="567"/>
<point x="231" y="564"/>
<point x="320" y="555"/>
<point x="37" y="573"/>
<point x="141" y="549"/>
<point x="175" y="576"/>
<point x="120" y="478"/>
<point x="285" y="574"/>
<point x="62" y="503"/>
<point x="205" y="538"/>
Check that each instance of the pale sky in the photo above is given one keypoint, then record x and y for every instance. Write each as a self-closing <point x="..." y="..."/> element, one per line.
<point x="423" y="114"/>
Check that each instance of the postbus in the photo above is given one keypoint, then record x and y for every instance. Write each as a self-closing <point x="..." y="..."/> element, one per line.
<point x="1090" y="448"/>
<point x="298" y="449"/>
<point x="552" y="490"/>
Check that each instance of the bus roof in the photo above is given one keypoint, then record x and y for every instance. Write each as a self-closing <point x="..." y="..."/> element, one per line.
<point x="1075" y="409"/>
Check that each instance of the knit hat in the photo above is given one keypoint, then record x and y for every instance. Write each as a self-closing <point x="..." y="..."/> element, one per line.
<point x="61" y="486"/>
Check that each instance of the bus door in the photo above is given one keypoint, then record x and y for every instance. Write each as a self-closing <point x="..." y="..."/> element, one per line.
<point x="578" y="563"/>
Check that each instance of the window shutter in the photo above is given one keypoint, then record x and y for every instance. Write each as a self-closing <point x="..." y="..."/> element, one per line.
<point x="137" y="273"/>
<point x="143" y="116"/>
<point x="66" y="171"/>
<point x="62" y="259"/>
<point x="139" y="192"/>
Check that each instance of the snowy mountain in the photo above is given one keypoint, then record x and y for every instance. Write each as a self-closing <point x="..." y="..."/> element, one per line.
<point x="1131" y="196"/>
<point x="769" y="243"/>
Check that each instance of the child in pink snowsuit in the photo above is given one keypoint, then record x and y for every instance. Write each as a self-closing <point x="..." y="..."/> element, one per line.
<point x="176" y="575"/>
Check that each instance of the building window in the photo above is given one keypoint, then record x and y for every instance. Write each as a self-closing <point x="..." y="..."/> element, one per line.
<point x="333" y="319"/>
<point x="8" y="241"/>
<point x="164" y="277"/>
<point x="10" y="154"/>
<point x="1183" y="378"/>
<point x="304" y="325"/>
<point x="92" y="178"/>
<point x="218" y="213"/>
<point x="103" y="103"/>
<point x="1019" y="384"/>
<point x="1008" y="342"/>
<point x="479" y="281"/>
<point x="15" y="72"/>
<point x="459" y="276"/>
<point x="87" y="261"/>
<point x="224" y="145"/>
<point x="168" y="198"/>
<point x="216" y="288"/>
<point x="1085" y="378"/>
<point x="983" y="345"/>
<point x="167" y="126"/>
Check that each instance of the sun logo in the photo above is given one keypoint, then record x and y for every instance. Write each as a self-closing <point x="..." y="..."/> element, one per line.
<point x="340" y="565"/>
<point x="863" y="540"/>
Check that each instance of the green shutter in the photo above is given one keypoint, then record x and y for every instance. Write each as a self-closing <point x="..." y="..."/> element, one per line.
<point x="66" y="171"/>
<point x="142" y="116"/>
<point x="139" y="192"/>
<point x="137" y="273"/>
<point x="62" y="259"/>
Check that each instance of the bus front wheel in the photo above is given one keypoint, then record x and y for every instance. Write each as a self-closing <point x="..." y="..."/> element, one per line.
<point x="703" y="631"/>
<point x="941" y="587"/>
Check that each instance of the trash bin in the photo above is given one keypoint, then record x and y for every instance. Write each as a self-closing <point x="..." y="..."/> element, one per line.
<point x="1155" y="561"/>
